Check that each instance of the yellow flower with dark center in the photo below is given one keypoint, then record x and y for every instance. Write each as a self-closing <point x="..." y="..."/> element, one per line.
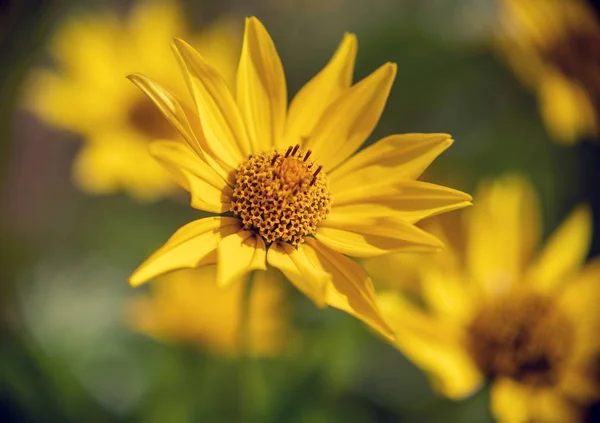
<point x="187" y="306"/>
<point x="87" y="96"/>
<point x="283" y="181"/>
<point x="554" y="47"/>
<point x="489" y="309"/>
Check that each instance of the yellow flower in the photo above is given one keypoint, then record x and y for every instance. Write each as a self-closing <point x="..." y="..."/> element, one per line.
<point x="554" y="47"/>
<point x="86" y="93"/>
<point x="283" y="182"/>
<point x="493" y="309"/>
<point x="186" y="306"/>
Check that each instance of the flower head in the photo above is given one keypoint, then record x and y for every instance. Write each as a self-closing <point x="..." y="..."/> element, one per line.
<point x="283" y="180"/>
<point x="187" y="306"/>
<point x="86" y="95"/>
<point x="492" y="310"/>
<point x="554" y="47"/>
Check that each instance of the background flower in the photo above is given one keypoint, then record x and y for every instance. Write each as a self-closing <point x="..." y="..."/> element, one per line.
<point x="86" y="93"/>
<point x="496" y="308"/>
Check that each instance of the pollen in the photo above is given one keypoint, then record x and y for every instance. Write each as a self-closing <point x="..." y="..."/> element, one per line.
<point x="523" y="337"/>
<point x="281" y="196"/>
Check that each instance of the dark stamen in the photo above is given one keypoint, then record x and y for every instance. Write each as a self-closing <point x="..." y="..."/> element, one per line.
<point x="314" y="179"/>
<point x="274" y="159"/>
<point x="289" y="150"/>
<point x="295" y="150"/>
<point x="307" y="155"/>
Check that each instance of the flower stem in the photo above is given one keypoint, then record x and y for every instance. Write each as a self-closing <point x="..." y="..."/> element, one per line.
<point x="244" y="351"/>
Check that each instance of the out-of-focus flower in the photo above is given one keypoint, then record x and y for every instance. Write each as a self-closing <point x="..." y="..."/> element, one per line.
<point x="554" y="47"/>
<point x="490" y="309"/>
<point x="187" y="306"/>
<point x="293" y="195"/>
<point x="86" y="93"/>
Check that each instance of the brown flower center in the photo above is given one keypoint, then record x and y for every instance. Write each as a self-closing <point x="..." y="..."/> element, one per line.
<point x="281" y="197"/>
<point x="577" y="55"/>
<point x="523" y="337"/>
<point x="147" y="119"/>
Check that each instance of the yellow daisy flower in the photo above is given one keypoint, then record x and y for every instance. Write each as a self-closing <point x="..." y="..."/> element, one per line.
<point x="493" y="310"/>
<point x="86" y="94"/>
<point x="554" y="47"/>
<point x="287" y="191"/>
<point x="187" y="306"/>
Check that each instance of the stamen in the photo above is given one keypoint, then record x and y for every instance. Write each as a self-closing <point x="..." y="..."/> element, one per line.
<point x="274" y="159"/>
<point x="289" y="150"/>
<point x="307" y="155"/>
<point x="315" y="175"/>
<point x="295" y="150"/>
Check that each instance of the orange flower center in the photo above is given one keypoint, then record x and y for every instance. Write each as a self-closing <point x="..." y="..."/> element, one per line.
<point x="281" y="197"/>
<point x="524" y="337"/>
<point x="146" y="118"/>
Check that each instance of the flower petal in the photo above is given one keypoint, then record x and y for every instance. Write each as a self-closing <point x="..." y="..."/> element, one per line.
<point x="261" y="88"/>
<point x="564" y="252"/>
<point x="350" y="288"/>
<point x="401" y="157"/>
<point x="238" y="254"/>
<point x="220" y="118"/>
<point x="503" y="232"/>
<point x="208" y="190"/>
<point x="192" y="245"/>
<point x="369" y="236"/>
<point x="512" y="402"/>
<point x="294" y="264"/>
<point x="433" y="345"/>
<point x="175" y="112"/>
<point x="169" y="106"/>
<point x="312" y="100"/>
<point x="409" y="201"/>
<point x="351" y="118"/>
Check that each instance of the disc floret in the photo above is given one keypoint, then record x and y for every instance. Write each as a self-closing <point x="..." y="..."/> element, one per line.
<point x="281" y="197"/>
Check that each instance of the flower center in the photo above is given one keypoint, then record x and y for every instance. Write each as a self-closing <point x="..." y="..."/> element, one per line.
<point x="577" y="55"/>
<point x="524" y="337"/>
<point x="147" y="119"/>
<point x="281" y="197"/>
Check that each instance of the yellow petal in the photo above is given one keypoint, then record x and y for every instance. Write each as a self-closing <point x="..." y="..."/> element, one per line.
<point x="238" y="254"/>
<point x="312" y="100"/>
<point x="175" y="112"/>
<point x="208" y="190"/>
<point x="368" y="236"/>
<point x="578" y="300"/>
<point x="511" y="402"/>
<point x="402" y="157"/>
<point x="220" y="118"/>
<point x="261" y="89"/>
<point x="567" y="110"/>
<point x="502" y="233"/>
<point x="434" y="345"/>
<point x="192" y="245"/>
<point x="351" y="118"/>
<point x="294" y="264"/>
<point x="409" y="201"/>
<point x="350" y="289"/>
<point x="564" y="252"/>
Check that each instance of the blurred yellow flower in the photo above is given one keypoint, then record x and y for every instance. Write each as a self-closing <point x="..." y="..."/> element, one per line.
<point x="187" y="306"/>
<point x="86" y="93"/>
<point x="284" y="183"/>
<point x="493" y="310"/>
<point x="554" y="47"/>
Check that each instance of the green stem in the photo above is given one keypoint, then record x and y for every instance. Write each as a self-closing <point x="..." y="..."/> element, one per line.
<point x="244" y="352"/>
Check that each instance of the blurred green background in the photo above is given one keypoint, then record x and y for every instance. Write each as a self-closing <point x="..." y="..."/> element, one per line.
<point x="66" y="354"/>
